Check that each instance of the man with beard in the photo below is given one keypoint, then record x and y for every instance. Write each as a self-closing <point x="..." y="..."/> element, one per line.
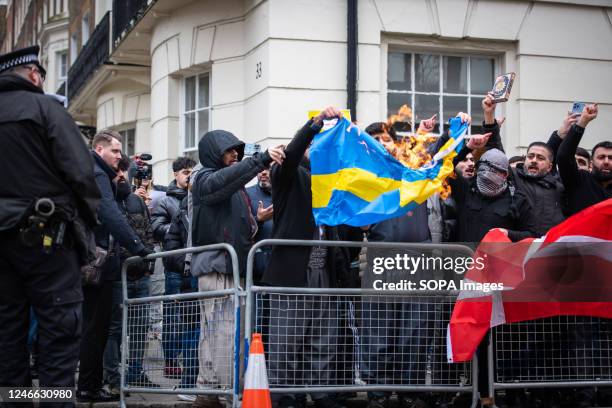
<point x="261" y="206"/>
<point x="465" y="168"/>
<point x="585" y="189"/>
<point x="534" y="177"/>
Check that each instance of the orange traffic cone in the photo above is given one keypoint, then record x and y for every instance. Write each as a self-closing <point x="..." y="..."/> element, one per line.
<point x="256" y="388"/>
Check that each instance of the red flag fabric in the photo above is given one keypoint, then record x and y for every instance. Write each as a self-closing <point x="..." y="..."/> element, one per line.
<point x="566" y="272"/>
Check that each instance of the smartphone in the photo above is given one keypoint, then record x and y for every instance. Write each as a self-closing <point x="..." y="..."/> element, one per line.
<point x="251" y="148"/>
<point x="578" y="107"/>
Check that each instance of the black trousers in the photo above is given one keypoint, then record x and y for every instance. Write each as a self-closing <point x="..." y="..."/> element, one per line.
<point x="97" y="308"/>
<point x="51" y="285"/>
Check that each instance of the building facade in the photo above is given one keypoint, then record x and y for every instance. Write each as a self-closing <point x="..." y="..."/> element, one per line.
<point x="42" y="22"/>
<point x="163" y="72"/>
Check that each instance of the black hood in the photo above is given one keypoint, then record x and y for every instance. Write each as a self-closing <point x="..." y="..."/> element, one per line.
<point x="216" y="142"/>
<point x="12" y="82"/>
<point x="176" y="191"/>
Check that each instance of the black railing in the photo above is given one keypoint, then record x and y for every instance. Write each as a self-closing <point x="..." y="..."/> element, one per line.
<point x="126" y="14"/>
<point x="93" y="54"/>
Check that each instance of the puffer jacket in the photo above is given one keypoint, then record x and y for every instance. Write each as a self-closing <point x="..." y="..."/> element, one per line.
<point x="137" y="215"/>
<point x="165" y="209"/>
<point x="176" y="238"/>
<point x="221" y="206"/>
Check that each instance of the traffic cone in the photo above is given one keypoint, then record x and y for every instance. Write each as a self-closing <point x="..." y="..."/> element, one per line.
<point x="256" y="388"/>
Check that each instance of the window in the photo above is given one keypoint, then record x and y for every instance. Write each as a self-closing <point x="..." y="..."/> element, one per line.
<point x="439" y="84"/>
<point x="62" y="67"/>
<point x="73" y="48"/>
<point x="129" y="141"/>
<point x="196" y="110"/>
<point x="85" y="29"/>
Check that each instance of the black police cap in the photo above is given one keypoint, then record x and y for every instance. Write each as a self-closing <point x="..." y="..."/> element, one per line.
<point x="23" y="56"/>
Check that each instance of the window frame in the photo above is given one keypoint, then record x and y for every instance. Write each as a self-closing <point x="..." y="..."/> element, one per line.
<point x="440" y="53"/>
<point x="58" y="57"/>
<point x="124" y="132"/>
<point x="183" y="112"/>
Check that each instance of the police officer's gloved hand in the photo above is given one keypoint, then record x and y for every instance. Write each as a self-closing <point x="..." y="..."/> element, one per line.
<point x="145" y="252"/>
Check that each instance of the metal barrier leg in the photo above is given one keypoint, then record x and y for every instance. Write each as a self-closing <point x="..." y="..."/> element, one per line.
<point x="475" y="392"/>
<point x="491" y="367"/>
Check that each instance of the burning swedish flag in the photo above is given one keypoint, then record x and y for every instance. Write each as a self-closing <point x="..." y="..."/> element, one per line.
<point x="355" y="181"/>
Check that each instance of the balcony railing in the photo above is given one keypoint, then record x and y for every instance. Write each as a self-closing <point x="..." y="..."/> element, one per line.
<point x="94" y="53"/>
<point x="126" y="14"/>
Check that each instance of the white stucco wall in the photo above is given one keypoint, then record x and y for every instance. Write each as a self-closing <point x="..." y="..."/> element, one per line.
<point x="123" y="104"/>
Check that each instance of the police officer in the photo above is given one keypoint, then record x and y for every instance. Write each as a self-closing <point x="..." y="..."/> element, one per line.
<point x="47" y="194"/>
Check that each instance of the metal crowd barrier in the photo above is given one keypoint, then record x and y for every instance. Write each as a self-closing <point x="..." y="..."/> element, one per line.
<point x="554" y="352"/>
<point x="355" y="340"/>
<point x="184" y="336"/>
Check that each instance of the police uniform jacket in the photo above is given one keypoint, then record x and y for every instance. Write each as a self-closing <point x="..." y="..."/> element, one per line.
<point x="43" y="155"/>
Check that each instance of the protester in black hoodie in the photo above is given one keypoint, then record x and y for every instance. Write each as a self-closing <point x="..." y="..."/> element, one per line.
<point x="222" y="214"/>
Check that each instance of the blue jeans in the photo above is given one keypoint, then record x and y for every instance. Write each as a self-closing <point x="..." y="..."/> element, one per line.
<point x="137" y="330"/>
<point x="171" y="337"/>
<point x="181" y="330"/>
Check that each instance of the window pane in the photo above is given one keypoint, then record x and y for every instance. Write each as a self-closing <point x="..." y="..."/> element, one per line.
<point x="481" y="75"/>
<point x="425" y="106"/>
<point x="477" y="114"/>
<point x="427" y="73"/>
<point x="131" y="141"/>
<point x="454" y="70"/>
<point x="189" y="130"/>
<point x="398" y="71"/>
<point x="452" y="106"/>
<point x="202" y="123"/>
<point x="190" y="93"/>
<point x="193" y="155"/>
<point x="203" y="91"/>
<point x="394" y="103"/>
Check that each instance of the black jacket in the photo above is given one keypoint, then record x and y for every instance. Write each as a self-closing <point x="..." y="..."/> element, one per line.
<point x="477" y="214"/>
<point x="221" y="206"/>
<point x="137" y="215"/>
<point x="264" y="229"/>
<point x="546" y="196"/>
<point x="165" y="210"/>
<point x="176" y="238"/>
<point x="112" y="220"/>
<point x="43" y="155"/>
<point x="581" y="188"/>
<point x="293" y="219"/>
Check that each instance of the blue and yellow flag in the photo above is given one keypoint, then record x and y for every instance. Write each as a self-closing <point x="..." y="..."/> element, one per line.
<point x="355" y="181"/>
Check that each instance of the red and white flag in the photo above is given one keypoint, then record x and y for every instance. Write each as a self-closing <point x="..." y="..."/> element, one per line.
<point x="566" y="272"/>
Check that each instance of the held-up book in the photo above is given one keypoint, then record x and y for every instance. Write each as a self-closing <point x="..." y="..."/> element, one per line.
<point x="503" y="86"/>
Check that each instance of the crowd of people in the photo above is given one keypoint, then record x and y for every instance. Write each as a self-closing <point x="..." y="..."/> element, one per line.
<point x="209" y="203"/>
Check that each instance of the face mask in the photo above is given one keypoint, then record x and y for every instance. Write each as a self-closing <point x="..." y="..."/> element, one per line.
<point x="490" y="182"/>
<point x="123" y="190"/>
